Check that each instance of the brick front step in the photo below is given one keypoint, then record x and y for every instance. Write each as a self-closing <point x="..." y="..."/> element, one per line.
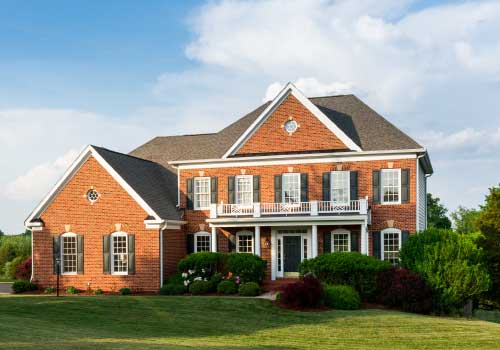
<point x="277" y="285"/>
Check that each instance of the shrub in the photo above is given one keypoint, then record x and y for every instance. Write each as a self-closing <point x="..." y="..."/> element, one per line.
<point x="72" y="290"/>
<point x="354" y="269"/>
<point x="342" y="297"/>
<point x="23" y="270"/>
<point x="172" y="289"/>
<point x="125" y="291"/>
<point x="227" y="287"/>
<point x="207" y="261"/>
<point x="200" y="287"/>
<point x="13" y="246"/>
<point x="98" y="291"/>
<point x="406" y="290"/>
<point x="306" y="293"/>
<point x="249" y="289"/>
<point x="450" y="263"/>
<point x="216" y="279"/>
<point x="49" y="290"/>
<point x="23" y="286"/>
<point x="248" y="267"/>
<point x="10" y="267"/>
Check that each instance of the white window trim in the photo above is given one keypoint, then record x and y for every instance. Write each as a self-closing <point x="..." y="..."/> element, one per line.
<point x="389" y="230"/>
<point x="112" y="268"/>
<point x="61" y="247"/>
<point x="195" y="205"/>
<point x="245" y="233"/>
<point x="237" y="190"/>
<point x="283" y="188"/>
<point x="382" y="186"/>
<point x="348" y="186"/>
<point x="341" y="231"/>
<point x="199" y="234"/>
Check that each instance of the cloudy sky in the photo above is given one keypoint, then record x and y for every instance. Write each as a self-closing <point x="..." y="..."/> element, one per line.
<point x="117" y="73"/>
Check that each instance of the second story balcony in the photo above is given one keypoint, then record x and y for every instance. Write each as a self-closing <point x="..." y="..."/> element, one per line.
<point x="312" y="208"/>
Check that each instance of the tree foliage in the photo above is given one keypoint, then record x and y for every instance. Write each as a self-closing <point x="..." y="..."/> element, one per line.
<point x="465" y="220"/>
<point x="489" y="225"/>
<point x="436" y="213"/>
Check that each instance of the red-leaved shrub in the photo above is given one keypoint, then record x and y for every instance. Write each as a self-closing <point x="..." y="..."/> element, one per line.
<point x="23" y="271"/>
<point x="306" y="293"/>
<point x="404" y="289"/>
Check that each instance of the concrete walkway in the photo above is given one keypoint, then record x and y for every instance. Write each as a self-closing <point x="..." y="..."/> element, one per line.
<point x="5" y="287"/>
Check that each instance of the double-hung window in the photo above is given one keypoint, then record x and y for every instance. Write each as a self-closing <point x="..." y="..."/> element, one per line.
<point x="391" y="186"/>
<point x="119" y="253"/>
<point x="340" y="187"/>
<point x="391" y="244"/>
<point x="291" y="188"/>
<point x="201" y="193"/>
<point x="244" y="242"/>
<point x="244" y="190"/>
<point x="341" y="241"/>
<point x="69" y="254"/>
<point x="202" y="242"/>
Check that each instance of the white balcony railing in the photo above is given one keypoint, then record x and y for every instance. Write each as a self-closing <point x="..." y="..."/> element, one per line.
<point x="359" y="206"/>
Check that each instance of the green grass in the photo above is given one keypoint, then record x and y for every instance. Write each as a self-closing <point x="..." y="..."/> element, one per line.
<point x="5" y="279"/>
<point x="139" y="322"/>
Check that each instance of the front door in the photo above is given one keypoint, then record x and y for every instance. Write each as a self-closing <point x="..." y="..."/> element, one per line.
<point x="292" y="255"/>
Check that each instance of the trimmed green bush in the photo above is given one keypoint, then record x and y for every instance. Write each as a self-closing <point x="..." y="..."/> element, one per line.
<point x="249" y="289"/>
<point x="72" y="290"/>
<point x="207" y="261"/>
<point x="98" y="291"/>
<point x="342" y="297"/>
<point x="125" y="291"/>
<point x="248" y="267"/>
<point x="172" y="289"/>
<point x="200" y="287"/>
<point x="354" y="269"/>
<point x="23" y="286"/>
<point x="49" y="290"/>
<point x="227" y="287"/>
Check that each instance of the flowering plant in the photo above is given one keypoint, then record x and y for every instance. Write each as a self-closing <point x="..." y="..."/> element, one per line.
<point x="190" y="276"/>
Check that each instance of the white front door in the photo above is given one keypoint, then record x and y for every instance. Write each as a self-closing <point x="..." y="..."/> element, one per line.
<point x="289" y="246"/>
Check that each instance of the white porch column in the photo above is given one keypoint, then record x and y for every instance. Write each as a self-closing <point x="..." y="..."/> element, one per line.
<point x="213" y="239"/>
<point x="257" y="240"/>
<point x="364" y="239"/>
<point x="314" y="243"/>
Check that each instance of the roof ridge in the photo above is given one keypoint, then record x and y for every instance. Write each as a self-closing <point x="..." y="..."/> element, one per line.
<point x="123" y="154"/>
<point x="341" y="95"/>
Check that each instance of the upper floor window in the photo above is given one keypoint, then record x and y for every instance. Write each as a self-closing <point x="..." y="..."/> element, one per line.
<point x="119" y="253"/>
<point x="391" y="244"/>
<point x="202" y="242"/>
<point x="69" y="253"/>
<point x="244" y="242"/>
<point x="291" y="188"/>
<point x="340" y="187"/>
<point x="244" y="189"/>
<point x="391" y="185"/>
<point x="201" y="193"/>
<point x="341" y="241"/>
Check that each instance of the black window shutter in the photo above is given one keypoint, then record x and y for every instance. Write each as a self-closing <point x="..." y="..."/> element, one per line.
<point x="131" y="254"/>
<point x="354" y="185"/>
<point x="230" y="190"/>
<point x="231" y="243"/>
<point x="327" y="242"/>
<point x="256" y="188"/>
<point x="326" y="186"/>
<point x="56" y="252"/>
<point x="376" y="186"/>
<point x="354" y="242"/>
<point x="404" y="236"/>
<point x="190" y="243"/>
<point x="79" y="250"/>
<point x="405" y="185"/>
<point x="214" y="190"/>
<point x="189" y="193"/>
<point x="277" y="189"/>
<point x="106" y="257"/>
<point x="304" y="188"/>
<point x="377" y="249"/>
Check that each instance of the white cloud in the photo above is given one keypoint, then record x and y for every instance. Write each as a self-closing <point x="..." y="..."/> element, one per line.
<point x="466" y="141"/>
<point x="310" y="87"/>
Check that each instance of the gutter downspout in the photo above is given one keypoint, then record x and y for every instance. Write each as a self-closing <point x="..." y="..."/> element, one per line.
<point x="160" y="231"/>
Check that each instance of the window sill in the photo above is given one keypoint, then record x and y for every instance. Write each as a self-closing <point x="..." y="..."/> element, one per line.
<point x="119" y="273"/>
<point x="69" y="273"/>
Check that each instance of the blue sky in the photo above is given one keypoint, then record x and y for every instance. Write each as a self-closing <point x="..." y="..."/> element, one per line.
<point x="117" y="73"/>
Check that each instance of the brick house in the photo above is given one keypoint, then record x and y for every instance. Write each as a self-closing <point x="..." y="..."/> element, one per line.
<point x="292" y="179"/>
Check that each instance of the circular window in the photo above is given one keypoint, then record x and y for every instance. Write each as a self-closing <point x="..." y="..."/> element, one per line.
<point x="291" y="126"/>
<point x="92" y="195"/>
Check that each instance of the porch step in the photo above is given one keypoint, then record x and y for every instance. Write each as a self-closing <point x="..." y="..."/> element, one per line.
<point x="277" y="285"/>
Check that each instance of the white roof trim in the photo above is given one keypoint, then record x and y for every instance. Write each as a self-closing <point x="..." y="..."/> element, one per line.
<point x="73" y="169"/>
<point x="284" y="93"/>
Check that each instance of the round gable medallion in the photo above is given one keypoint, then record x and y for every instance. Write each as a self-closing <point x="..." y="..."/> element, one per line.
<point x="92" y="195"/>
<point x="291" y="126"/>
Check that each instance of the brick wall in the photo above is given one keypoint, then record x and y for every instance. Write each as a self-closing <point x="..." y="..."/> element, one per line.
<point x="114" y="206"/>
<point x="174" y="249"/>
<point x="312" y="134"/>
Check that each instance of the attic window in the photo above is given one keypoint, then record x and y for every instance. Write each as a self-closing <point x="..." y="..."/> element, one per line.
<point x="291" y="126"/>
<point x="92" y="196"/>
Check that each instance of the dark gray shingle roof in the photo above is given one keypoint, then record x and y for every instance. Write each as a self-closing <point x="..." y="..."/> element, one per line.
<point x="156" y="185"/>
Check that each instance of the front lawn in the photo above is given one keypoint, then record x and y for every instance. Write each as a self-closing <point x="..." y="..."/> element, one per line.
<point x="146" y="322"/>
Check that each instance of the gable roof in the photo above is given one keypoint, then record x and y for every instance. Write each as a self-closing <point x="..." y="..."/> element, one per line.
<point x="148" y="183"/>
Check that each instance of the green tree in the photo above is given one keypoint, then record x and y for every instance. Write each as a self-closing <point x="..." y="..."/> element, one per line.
<point x="465" y="220"/>
<point x="489" y="225"/>
<point x="436" y="213"/>
<point x="1" y="233"/>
